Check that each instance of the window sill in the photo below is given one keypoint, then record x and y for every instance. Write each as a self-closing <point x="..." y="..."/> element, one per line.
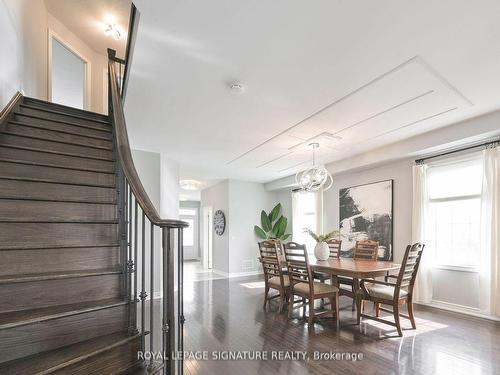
<point x="472" y="269"/>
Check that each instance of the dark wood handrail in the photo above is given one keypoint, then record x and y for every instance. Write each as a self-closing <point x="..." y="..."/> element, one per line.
<point x="132" y="34"/>
<point x="125" y="156"/>
<point x="8" y="109"/>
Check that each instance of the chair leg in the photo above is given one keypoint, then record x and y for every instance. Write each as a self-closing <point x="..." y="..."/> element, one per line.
<point x="377" y="309"/>
<point x="311" y="311"/>
<point x="411" y="314"/>
<point x="265" y="296"/>
<point x="359" y="306"/>
<point x="337" y="315"/>
<point x="303" y="307"/>
<point x="290" y="305"/>
<point x="282" y="298"/>
<point x="396" y="319"/>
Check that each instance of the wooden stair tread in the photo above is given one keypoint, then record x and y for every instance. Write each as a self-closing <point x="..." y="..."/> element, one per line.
<point x="49" y="246"/>
<point x="12" y="319"/>
<point x="62" y="113"/>
<point x="143" y="369"/>
<point x="103" y="137"/>
<point x="57" y="148"/>
<point x="35" y="101"/>
<point x="50" y="135"/>
<point x="9" y="279"/>
<point x="47" y="362"/>
<point x="62" y="122"/>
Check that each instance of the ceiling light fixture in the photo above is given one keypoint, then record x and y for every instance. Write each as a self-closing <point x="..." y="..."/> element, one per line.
<point x="191" y="184"/>
<point x="316" y="177"/>
<point x="112" y="30"/>
<point x="236" y="87"/>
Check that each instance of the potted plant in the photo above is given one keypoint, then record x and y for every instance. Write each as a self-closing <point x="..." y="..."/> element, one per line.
<point x="273" y="225"/>
<point x="321" y="250"/>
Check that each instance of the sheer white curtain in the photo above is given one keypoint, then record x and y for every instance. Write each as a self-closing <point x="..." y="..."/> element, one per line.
<point x="489" y="278"/>
<point x="307" y="212"/>
<point x="423" y="287"/>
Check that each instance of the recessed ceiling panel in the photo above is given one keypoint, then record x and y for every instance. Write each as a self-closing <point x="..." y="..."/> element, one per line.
<point x="395" y="99"/>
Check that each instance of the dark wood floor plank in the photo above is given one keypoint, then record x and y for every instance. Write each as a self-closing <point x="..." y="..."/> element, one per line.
<point x="226" y="314"/>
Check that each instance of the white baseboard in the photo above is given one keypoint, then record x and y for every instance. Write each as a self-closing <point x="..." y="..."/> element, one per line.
<point x="236" y="274"/>
<point x="453" y="307"/>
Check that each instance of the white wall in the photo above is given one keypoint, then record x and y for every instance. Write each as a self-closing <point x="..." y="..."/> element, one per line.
<point x="449" y="286"/>
<point x="23" y="60"/>
<point x="235" y="253"/>
<point x="217" y="196"/>
<point x="169" y="188"/>
<point x="148" y="168"/>
<point x="246" y="200"/>
<point x="401" y="173"/>
<point x="24" y="28"/>
<point x="98" y="62"/>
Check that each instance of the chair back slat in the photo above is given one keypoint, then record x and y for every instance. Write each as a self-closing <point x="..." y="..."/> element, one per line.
<point x="269" y="257"/>
<point x="335" y="246"/>
<point x="409" y="267"/>
<point x="297" y="264"/>
<point x="366" y="249"/>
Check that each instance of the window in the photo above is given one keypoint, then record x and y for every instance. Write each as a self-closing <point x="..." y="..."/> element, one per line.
<point x="454" y="211"/>
<point x="306" y="214"/>
<point x="188" y="235"/>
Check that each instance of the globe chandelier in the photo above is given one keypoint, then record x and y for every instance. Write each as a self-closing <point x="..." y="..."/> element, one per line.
<point x="316" y="177"/>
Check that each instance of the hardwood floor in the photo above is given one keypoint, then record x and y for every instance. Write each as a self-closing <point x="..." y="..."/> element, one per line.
<point x="227" y="314"/>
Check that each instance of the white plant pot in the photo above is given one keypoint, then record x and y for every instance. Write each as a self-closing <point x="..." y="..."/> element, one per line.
<point x="321" y="251"/>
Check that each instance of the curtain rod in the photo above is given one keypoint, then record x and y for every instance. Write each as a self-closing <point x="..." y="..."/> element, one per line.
<point x="485" y="145"/>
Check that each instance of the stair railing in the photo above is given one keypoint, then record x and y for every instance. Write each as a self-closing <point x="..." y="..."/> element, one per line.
<point x="135" y="208"/>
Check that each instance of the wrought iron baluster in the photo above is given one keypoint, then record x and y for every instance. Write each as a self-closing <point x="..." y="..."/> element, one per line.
<point x="151" y="296"/>
<point x="180" y="294"/>
<point x="143" y="294"/>
<point x="134" y="270"/>
<point x="130" y="264"/>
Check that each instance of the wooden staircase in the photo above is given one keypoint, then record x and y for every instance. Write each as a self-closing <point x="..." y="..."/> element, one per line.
<point x="63" y="304"/>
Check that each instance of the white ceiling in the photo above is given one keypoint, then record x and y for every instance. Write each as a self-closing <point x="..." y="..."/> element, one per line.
<point x="372" y="73"/>
<point x="89" y="18"/>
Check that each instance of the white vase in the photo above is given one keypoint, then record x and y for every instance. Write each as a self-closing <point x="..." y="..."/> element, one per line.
<point x="321" y="251"/>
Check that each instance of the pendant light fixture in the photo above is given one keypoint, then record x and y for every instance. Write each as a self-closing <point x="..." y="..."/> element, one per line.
<point x="316" y="177"/>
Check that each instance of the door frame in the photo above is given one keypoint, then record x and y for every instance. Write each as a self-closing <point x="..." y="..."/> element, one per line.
<point x="51" y="34"/>
<point x="208" y="241"/>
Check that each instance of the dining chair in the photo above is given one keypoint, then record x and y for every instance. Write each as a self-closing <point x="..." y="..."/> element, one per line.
<point x="302" y="284"/>
<point x="364" y="249"/>
<point x="273" y="275"/>
<point x="335" y="246"/>
<point x="393" y="293"/>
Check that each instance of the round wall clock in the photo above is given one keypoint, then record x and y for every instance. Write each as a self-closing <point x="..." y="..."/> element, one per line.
<point x="219" y="222"/>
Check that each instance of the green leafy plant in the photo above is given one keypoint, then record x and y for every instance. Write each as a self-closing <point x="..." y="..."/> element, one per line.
<point x="273" y="225"/>
<point x="322" y="237"/>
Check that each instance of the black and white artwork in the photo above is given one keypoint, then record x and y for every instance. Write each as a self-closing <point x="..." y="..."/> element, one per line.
<point x="366" y="214"/>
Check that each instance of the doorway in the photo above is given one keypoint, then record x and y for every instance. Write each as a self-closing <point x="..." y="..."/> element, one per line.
<point x="69" y="75"/>
<point x="207" y="238"/>
<point x="191" y="233"/>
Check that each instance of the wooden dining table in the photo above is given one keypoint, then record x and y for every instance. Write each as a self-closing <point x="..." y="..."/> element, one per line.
<point x="355" y="268"/>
